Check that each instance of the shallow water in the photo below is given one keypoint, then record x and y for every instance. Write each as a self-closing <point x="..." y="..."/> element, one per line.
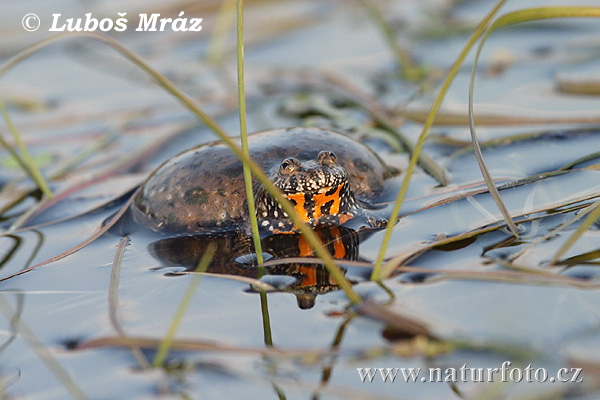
<point x="63" y="324"/>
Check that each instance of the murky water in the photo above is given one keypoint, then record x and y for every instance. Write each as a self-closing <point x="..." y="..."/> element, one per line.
<point x="475" y="303"/>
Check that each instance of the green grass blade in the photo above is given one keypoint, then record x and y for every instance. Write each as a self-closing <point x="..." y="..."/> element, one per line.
<point x="12" y="151"/>
<point x="540" y="13"/>
<point x="27" y="160"/>
<point x="426" y="162"/>
<point x="587" y="222"/>
<point x="193" y="106"/>
<point x="218" y="39"/>
<point x="264" y="308"/>
<point x="487" y="177"/>
<point x="244" y="132"/>
<point x="580" y="160"/>
<point x="268" y="339"/>
<point x="407" y="68"/>
<point x="376" y="274"/>
<point x="165" y="344"/>
<point x="553" y="232"/>
<point x="515" y="17"/>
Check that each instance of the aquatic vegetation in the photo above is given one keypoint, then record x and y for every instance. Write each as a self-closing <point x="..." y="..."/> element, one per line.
<point x="491" y="250"/>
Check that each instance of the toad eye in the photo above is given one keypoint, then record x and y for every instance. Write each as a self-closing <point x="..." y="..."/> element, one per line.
<point x="326" y="158"/>
<point x="288" y="166"/>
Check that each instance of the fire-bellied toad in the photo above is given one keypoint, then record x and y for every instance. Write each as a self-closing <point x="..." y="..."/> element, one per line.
<point x="329" y="177"/>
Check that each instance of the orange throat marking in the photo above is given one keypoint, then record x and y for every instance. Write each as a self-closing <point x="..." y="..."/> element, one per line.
<point x="320" y="200"/>
<point x="299" y="207"/>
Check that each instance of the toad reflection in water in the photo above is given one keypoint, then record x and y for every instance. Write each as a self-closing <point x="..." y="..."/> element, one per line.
<point x="310" y="279"/>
